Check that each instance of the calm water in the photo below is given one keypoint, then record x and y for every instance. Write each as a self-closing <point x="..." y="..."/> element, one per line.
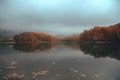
<point x="60" y="62"/>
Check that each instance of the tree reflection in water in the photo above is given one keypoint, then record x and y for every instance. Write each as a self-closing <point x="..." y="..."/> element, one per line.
<point x="27" y="47"/>
<point x="71" y="45"/>
<point x="99" y="50"/>
<point x="40" y="67"/>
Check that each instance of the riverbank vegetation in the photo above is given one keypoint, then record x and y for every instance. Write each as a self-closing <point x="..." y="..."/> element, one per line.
<point x="99" y="34"/>
<point x="34" y="38"/>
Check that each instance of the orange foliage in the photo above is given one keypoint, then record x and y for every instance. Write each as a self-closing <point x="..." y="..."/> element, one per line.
<point x="34" y="38"/>
<point x="32" y="41"/>
<point x="111" y="33"/>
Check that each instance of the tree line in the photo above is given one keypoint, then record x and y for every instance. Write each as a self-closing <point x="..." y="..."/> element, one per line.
<point x="95" y="34"/>
<point x="105" y="34"/>
<point x="34" y="38"/>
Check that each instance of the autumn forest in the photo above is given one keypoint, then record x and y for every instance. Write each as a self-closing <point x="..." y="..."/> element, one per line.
<point x="98" y="34"/>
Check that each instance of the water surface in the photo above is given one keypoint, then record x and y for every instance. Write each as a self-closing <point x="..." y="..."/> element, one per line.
<point x="60" y="62"/>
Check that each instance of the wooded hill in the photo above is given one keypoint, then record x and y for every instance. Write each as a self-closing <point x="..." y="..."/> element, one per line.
<point x="106" y="34"/>
<point x="34" y="38"/>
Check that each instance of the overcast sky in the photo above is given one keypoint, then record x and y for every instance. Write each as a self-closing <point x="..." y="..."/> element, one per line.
<point x="58" y="16"/>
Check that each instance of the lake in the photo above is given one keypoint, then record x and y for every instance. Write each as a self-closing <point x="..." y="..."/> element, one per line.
<point x="60" y="62"/>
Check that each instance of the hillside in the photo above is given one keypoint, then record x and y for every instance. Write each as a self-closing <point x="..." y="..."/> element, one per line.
<point x="98" y="33"/>
<point x="34" y="38"/>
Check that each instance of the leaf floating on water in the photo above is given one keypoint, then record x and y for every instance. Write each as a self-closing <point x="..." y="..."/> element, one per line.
<point x="12" y="65"/>
<point x="74" y="70"/>
<point x="96" y="75"/>
<point x="35" y="74"/>
<point x="13" y="76"/>
<point x="82" y="75"/>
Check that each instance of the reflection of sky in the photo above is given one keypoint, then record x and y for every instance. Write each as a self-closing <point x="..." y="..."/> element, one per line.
<point x="62" y="61"/>
<point x="57" y="16"/>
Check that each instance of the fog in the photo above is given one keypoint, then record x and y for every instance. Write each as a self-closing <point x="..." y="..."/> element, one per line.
<point x="58" y="16"/>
